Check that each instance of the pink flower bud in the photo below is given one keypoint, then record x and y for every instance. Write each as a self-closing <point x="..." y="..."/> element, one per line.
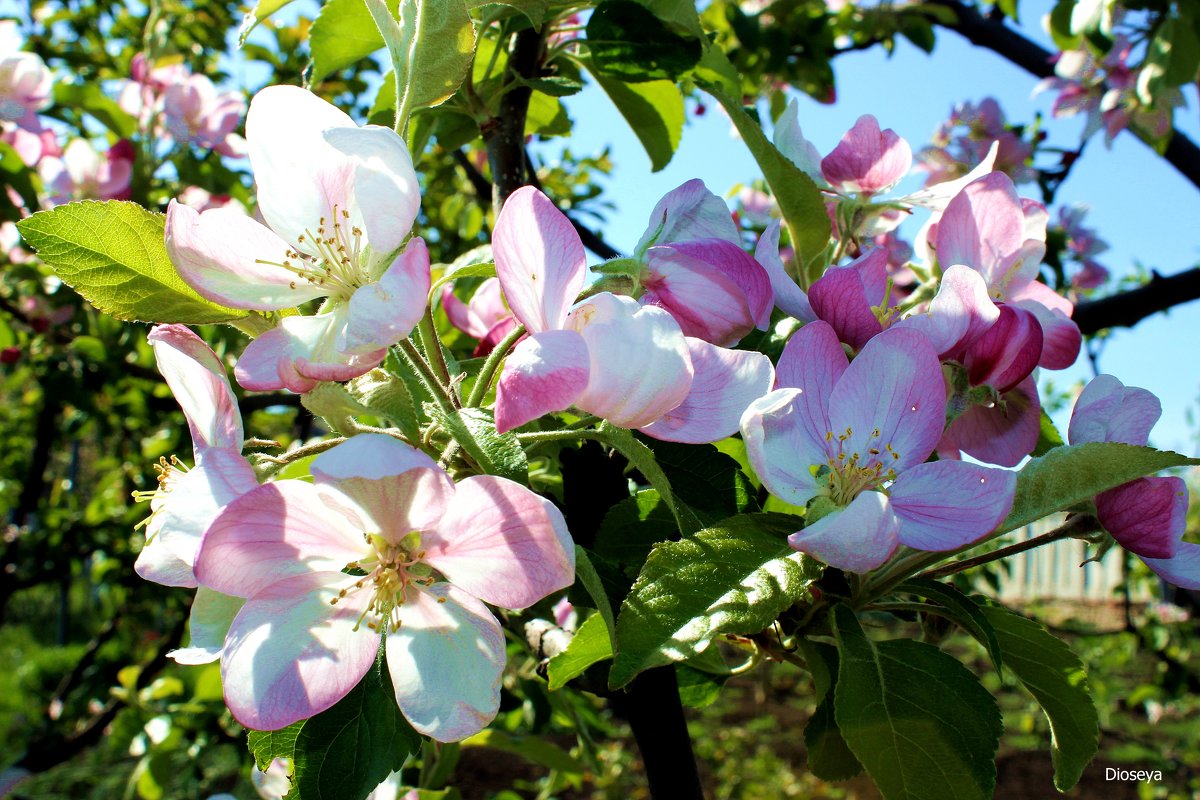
<point x="1007" y="352"/>
<point x="867" y="159"/>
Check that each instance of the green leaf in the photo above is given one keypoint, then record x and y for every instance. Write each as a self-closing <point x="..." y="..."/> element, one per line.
<point x="534" y="10"/>
<point x="113" y="254"/>
<point x="531" y="748"/>
<point x="732" y="578"/>
<point x="345" y="752"/>
<point x="487" y="270"/>
<point x="266" y="746"/>
<point x="1077" y="473"/>
<point x="546" y="116"/>
<point x="495" y="453"/>
<point x="555" y="85"/>
<point x="962" y="610"/>
<point x="918" y="721"/>
<point x="697" y="688"/>
<point x="655" y="112"/>
<point x="585" y="573"/>
<point x="434" y="43"/>
<point x="800" y="201"/>
<point x="261" y="10"/>
<point x="829" y="757"/>
<point x="710" y="482"/>
<point x="1055" y="677"/>
<point x="642" y="459"/>
<point x="628" y="42"/>
<point x="591" y="644"/>
<point x="90" y="98"/>
<point x="344" y="32"/>
<point x="633" y="526"/>
<point x="1048" y="436"/>
<point x="16" y="174"/>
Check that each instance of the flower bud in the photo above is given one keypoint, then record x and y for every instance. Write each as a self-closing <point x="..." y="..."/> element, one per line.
<point x="1007" y="352"/>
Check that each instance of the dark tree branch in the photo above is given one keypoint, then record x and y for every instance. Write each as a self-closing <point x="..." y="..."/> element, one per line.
<point x="1182" y="153"/>
<point x="504" y="136"/>
<point x="655" y="714"/>
<point x="1126" y="309"/>
<point x="483" y="188"/>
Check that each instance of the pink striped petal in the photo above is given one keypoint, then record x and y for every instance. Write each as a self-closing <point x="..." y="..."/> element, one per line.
<point x="1061" y="339"/>
<point x="1109" y="411"/>
<point x="198" y="381"/>
<point x="777" y="429"/>
<point x="384" y="312"/>
<point x="302" y="351"/>
<point x="544" y="373"/>
<point x="1148" y="516"/>
<point x="689" y="212"/>
<point x="291" y="653"/>
<point x="278" y="530"/>
<point x="502" y="543"/>
<point x="1007" y="352"/>
<point x="982" y="228"/>
<point x="867" y="159"/>
<point x="1001" y="434"/>
<point x="840" y="299"/>
<point x="945" y="505"/>
<point x="959" y="313"/>
<point x="385" y="196"/>
<point x="231" y="259"/>
<point x="789" y="297"/>
<point x="539" y="260"/>
<point x="446" y="661"/>
<point x="858" y="538"/>
<point x="724" y="384"/>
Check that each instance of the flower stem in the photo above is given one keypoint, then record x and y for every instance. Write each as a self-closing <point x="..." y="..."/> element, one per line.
<point x="433" y="351"/>
<point x="484" y="381"/>
<point x="1075" y="526"/>
<point x="409" y="353"/>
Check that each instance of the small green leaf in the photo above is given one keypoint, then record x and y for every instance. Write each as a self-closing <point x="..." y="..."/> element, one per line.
<point x="591" y="644"/>
<point x="546" y="116"/>
<point x="829" y="757"/>
<point x="962" y="610"/>
<point x="113" y="254"/>
<point x="435" y="41"/>
<point x="628" y="42"/>
<point x="531" y="748"/>
<point x="495" y="453"/>
<point x="1077" y="473"/>
<point x="534" y="10"/>
<point x="261" y="10"/>
<point x="585" y="573"/>
<point x="554" y="86"/>
<point x="1056" y="678"/>
<point x="709" y="481"/>
<point x="642" y="459"/>
<point x="344" y="32"/>
<point x="655" y="112"/>
<point x="266" y="746"/>
<point x="345" y="752"/>
<point x="1048" y="437"/>
<point x="735" y="577"/>
<point x="697" y="688"/>
<point x="633" y="526"/>
<point x="918" y="720"/>
<point x="800" y="201"/>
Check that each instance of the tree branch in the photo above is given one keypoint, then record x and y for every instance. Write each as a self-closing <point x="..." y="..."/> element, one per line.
<point x="655" y="714"/>
<point x="1181" y="153"/>
<point x="1126" y="309"/>
<point x="504" y="136"/>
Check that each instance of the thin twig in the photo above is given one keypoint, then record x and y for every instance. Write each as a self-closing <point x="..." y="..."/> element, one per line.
<point x="1075" y="526"/>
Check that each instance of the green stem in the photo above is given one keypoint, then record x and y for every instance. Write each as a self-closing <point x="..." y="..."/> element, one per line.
<point x="409" y="353"/>
<point x="1075" y="526"/>
<point x="390" y="31"/>
<point x="537" y="437"/>
<point x="484" y="381"/>
<point x="432" y="346"/>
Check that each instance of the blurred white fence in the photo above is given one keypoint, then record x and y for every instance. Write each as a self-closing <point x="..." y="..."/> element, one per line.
<point x="1053" y="572"/>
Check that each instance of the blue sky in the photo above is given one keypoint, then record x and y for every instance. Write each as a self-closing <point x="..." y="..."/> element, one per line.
<point x="1139" y="204"/>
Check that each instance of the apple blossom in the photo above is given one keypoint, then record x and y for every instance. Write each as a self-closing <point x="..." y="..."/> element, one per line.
<point x="82" y="173"/>
<point x="607" y="355"/>
<point x="855" y="435"/>
<point x="1148" y="516"/>
<point x="195" y="112"/>
<point x="330" y="567"/>
<point x="25" y="82"/>
<point x="339" y="202"/>
<point x="963" y="141"/>
<point x="485" y="317"/>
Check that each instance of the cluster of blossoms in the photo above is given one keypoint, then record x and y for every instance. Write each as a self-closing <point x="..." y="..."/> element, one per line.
<point x="1081" y="246"/>
<point x="1105" y="90"/>
<point x="299" y="584"/>
<point x="962" y="142"/>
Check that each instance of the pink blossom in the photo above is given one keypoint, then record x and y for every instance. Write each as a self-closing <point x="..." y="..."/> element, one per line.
<point x="26" y="84"/>
<point x="328" y="568"/>
<point x="1148" y="516"/>
<point x="194" y="112"/>
<point x="855" y="299"/>
<point x="987" y="227"/>
<point x="963" y="141"/>
<point x="202" y="200"/>
<point x="1083" y="245"/>
<point x="339" y="202"/>
<point x="82" y="173"/>
<point x="789" y="297"/>
<point x="606" y="355"/>
<point x="867" y="160"/>
<point x="856" y="435"/>
<point x="187" y="500"/>
<point x="695" y="268"/>
<point x="485" y="317"/>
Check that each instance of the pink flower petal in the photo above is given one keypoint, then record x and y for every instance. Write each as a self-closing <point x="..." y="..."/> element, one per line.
<point x="544" y="373"/>
<point x="1061" y="339"/>
<point x="640" y="367"/>
<point x="1181" y="569"/>
<point x="198" y="381"/>
<point x="231" y="259"/>
<point x="867" y="159"/>
<point x="386" y="196"/>
<point x="890" y="404"/>
<point x="858" y="538"/>
<point x="813" y="360"/>
<point x="384" y="312"/>
<point x="939" y="195"/>
<point x="781" y="445"/>
<point x="715" y="291"/>
<point x="688" y="212"/>
<point x="982" y="228"/>
<point x="945" y="505"/>
<point x="291" y="654"/>
<point x="1003" y="434"/>
<point x="159" y="563"/>
<point x="485" y="309"/>
<point x="1007" y="352"/>
<point x="1109" y="411"/>
<point x="724" y="384"/>
<point x="446" y="661"/>
<point x="369" y="456"/>
<point x="208" y="623"/>
<point x="267" y="364"/>
<point x="502" y="543"/>
<point x="959" y="313"/>
<point x="302" y="351"/>
<point x="840" y="299"/>
<point x="197" y="497"/>
<point x="539" y="260"/>
<point x="789" y="139"/>
<point x="275" y="531"/>
<point x="789" y="297"/>
<point x="1148" y="516"/>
